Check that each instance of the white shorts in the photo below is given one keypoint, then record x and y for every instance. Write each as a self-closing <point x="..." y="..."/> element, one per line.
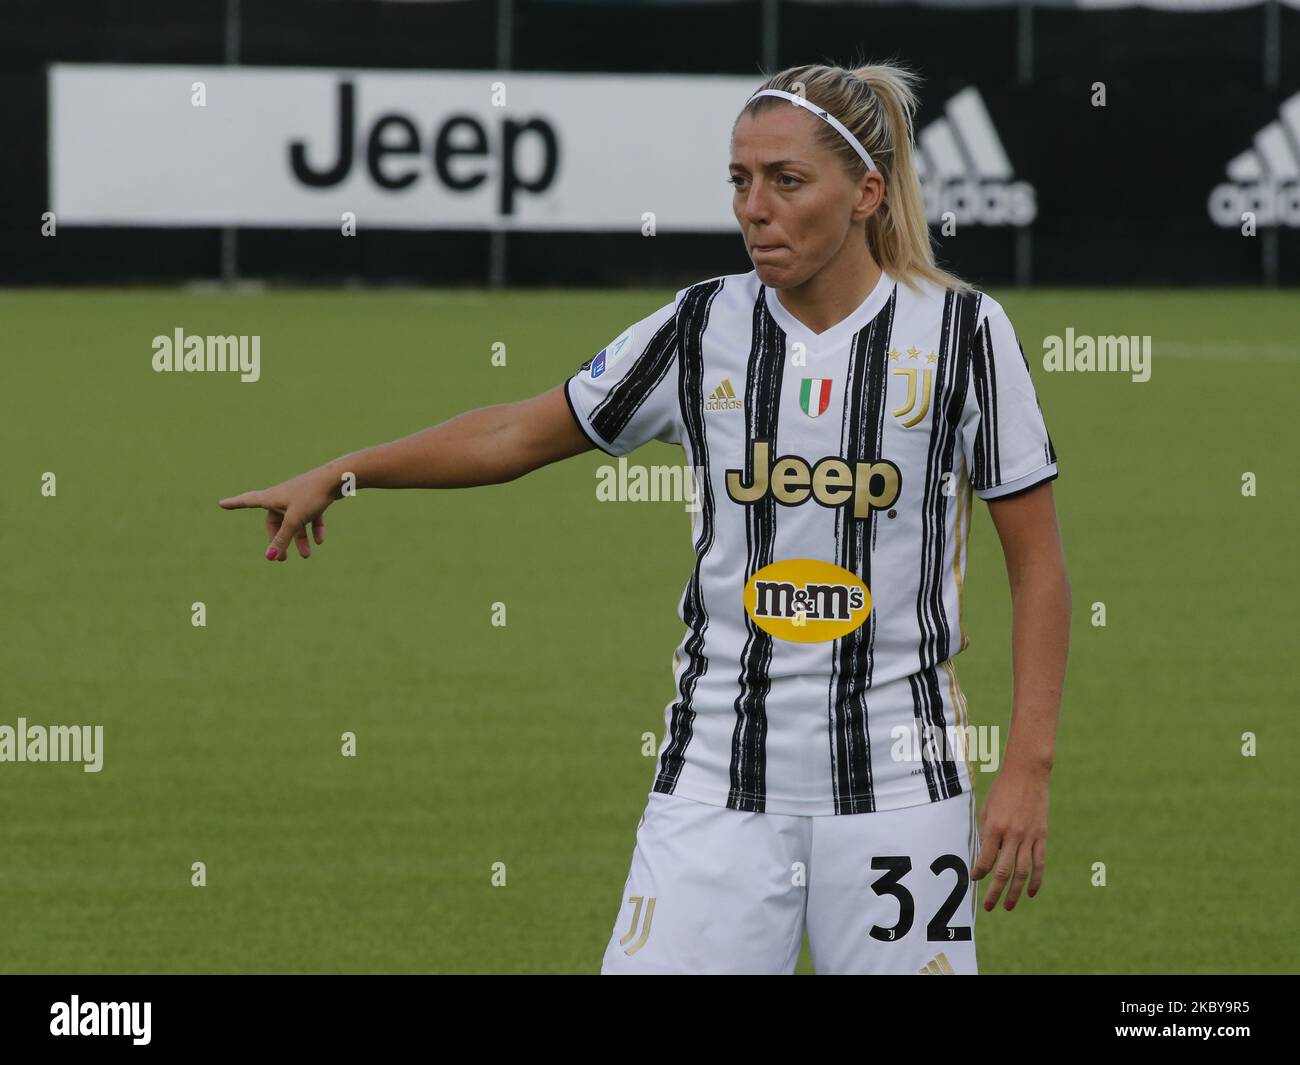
<point x="715" y="890"/>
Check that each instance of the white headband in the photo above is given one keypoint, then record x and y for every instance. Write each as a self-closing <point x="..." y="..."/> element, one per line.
<point x="829" y="118"/>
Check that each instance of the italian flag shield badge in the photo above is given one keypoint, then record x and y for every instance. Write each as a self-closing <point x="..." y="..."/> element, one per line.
<point x="815" y="395"/>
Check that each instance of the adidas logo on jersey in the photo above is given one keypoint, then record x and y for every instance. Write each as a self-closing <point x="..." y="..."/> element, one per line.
<point x="964" y="169"/>
<point x="938" y="966"/>
<point x="723" y="397"/>
<point x="1264" y="180"/>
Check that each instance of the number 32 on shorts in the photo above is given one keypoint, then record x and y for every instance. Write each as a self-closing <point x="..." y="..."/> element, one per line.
<point x="937" y="930"/>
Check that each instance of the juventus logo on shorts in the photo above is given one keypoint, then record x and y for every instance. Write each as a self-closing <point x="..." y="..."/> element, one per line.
<point x="649" y="904"/>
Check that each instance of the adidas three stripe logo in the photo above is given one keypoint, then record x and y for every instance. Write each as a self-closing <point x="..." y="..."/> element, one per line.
<point x="723" y="397"/>
<point x="1264" y="180"/>
<point x="939" y="965"/>
<point x="965" y="170"/>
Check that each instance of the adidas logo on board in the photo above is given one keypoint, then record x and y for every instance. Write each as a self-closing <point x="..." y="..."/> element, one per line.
<point x="1264" y="180"/>
<point x="964" y="169"/>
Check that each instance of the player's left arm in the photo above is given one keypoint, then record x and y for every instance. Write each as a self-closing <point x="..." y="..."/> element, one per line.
<point x="1013" y="823"/>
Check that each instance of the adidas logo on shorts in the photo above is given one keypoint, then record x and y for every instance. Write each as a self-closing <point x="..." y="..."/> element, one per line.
<point x="938" y="966"/>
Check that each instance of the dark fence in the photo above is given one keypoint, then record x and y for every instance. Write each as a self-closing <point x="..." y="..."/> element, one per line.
<point x="1122" y="191"/>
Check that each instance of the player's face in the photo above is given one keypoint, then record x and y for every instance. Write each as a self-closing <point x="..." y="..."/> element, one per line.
<point x="794" y="202"/>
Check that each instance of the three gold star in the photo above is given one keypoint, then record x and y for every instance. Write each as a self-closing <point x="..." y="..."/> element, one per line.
<point x="913" y="353"/>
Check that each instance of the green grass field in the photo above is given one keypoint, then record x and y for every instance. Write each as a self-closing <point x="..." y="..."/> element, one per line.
<point x="522" y="745"/>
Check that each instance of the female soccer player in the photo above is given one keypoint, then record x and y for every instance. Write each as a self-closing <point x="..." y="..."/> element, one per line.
<point x="841" y="402"/>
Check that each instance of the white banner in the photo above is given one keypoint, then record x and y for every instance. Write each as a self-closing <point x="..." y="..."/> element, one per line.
<point x="260" y="146"/>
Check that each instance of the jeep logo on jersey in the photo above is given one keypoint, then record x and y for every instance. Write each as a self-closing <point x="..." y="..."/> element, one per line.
<point x="832" y="482"/>
<point x="805" y="600"/>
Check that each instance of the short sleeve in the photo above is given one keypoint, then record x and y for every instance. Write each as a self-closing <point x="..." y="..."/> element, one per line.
<point x="1008" y="449"/>
<point x="627" y="394"/>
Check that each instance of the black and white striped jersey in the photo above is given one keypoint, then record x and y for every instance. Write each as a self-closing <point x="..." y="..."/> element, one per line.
<point x="835" y="472"/>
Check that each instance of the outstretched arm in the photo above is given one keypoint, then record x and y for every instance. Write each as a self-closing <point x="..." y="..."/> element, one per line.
<point x="490" y="445"/>
<point x="1013" y="823"/>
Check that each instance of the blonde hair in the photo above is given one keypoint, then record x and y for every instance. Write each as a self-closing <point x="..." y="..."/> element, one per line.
<point x="876" y="103"/>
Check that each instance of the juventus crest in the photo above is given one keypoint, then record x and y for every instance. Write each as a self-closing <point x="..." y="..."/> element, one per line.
<point x="920" y="383"/>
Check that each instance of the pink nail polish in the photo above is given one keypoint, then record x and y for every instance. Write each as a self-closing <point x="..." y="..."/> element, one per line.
<point x="271" y="552"/>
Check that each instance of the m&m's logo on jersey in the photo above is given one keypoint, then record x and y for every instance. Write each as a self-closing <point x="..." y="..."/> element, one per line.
<point x="805" y="600"/>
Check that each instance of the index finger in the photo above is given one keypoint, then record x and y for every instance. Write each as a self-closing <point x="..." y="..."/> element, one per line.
<point x="241" y="502"/>
<point x="988" y="854"/>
